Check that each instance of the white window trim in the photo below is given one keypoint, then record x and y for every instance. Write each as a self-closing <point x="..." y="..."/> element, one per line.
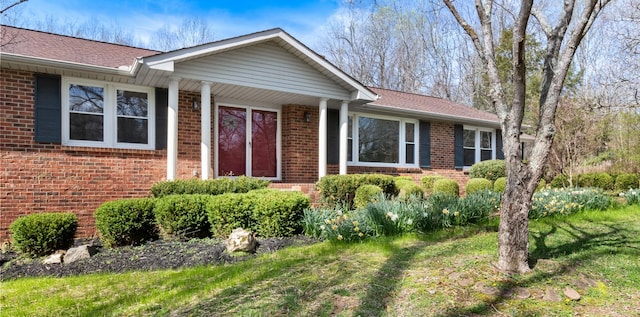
<point x="248" y="108"/>
<point x="110" y="113"/>
<point x="355" y="155"/>
<point x="478" y="142"/>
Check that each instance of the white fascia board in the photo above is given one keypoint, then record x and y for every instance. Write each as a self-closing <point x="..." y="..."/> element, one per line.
<point x="45" y="62"/>
<point x="167" y="66"/>
<point x="431" y="115"/>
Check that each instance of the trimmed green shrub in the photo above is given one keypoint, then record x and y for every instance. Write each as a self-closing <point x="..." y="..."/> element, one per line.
<point x="560" y="181"/>
<point x="427" y="183"/>
<point x="446" y="185"/>
<point x="407" y="188"/>
<point x="183" y="216"/>
<point x="491" y="170"/>
<point x="627" y="181"/>
<point x="597" y="180"/>
<point x="366" y="194"/>
<point x="278" y="213"/>
<point x="126" y="222"/>
<point x="216" y="186"/>
<point x="478" y="184"/>
<point x="500" y="185"/>
<point x="335" y="189"/>
<point x="43" y="233"/>
<point x="230" y="211"/>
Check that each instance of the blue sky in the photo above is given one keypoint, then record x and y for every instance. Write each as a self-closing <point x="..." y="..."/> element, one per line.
<point x="303" y="19"/>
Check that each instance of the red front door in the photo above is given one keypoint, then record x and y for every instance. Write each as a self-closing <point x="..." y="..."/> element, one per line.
<point x="247" y="142"/>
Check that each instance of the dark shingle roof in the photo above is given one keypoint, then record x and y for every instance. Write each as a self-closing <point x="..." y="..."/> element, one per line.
<point x="428" y="104"/>
<point x="68" y="49"/>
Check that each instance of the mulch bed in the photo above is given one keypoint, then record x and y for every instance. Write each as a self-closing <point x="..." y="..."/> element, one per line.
<point x="154" y="255"/>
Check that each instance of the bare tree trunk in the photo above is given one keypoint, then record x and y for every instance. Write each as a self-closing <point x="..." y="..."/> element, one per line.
<point x="522" y="180"/>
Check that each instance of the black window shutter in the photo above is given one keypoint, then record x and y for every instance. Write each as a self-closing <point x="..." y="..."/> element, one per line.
<point x="499" y="151"/>
<point x="333" y="136"/>
<point x="425" y="144"/>
<point x="162" y="103"/>
<point x="48" y="109"/>
<point x="458" y="149"/>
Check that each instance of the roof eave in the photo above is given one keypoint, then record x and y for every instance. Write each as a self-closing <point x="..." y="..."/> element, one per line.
<point x="437" y="116"/>
<point x="45" y="62"/>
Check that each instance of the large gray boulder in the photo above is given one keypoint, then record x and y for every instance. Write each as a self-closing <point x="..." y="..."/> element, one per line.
<point x="79" y="253"/>
<point x="241" y="240"/>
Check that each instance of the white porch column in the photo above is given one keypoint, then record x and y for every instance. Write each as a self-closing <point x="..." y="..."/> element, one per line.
<point x="172" y="130"/>
<point x="205" y="129"/>
<point x="344" y="126"/>
<point x="322" y="139"/>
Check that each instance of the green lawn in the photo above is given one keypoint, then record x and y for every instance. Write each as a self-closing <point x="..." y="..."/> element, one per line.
<point x="435" y="275"/>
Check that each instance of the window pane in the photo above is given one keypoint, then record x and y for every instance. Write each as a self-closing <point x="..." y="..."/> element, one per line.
<point x="485" y="139"/>
<point x="469" y="137"/>
<point x="469" y="157"/>
<point x="350" y="150"/>
<point x="134" y="104"/>
<point x="86" y="127"/>
<point x="132" y="130"/>
<point x="409" y="132"/>
<point x="350" y="127"/>
<point x="378" y="140"/>
<point x="86" y="98"/>
<point x="485" y="155"/>
<point x="410" y="153"/>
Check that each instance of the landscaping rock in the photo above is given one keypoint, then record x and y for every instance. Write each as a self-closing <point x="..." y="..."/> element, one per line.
<point x="551" y="295"/>
<point x="241" y="240"/>
<point x="571" y="293"/>
<point x="78" y="253"/>
<point x="55" y="258"/>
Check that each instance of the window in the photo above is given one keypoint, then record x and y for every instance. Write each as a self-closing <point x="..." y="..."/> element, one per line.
<point x="479" y="145"/>
<point x="101" y="114"/>
<point x="381" y="141"/>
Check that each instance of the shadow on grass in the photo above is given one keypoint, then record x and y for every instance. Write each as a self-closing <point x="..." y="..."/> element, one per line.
<point x="586" y="245"/>
<point x="383" y="284"/>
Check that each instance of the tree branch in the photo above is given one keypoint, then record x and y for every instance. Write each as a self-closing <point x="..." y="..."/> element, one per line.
<point x="12" y="5"/>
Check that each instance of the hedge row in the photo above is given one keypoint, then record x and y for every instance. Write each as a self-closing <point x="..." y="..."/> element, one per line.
<point x="269" y="213"/>
<point x="605" y="181"/>
<point x="216" y="186"/>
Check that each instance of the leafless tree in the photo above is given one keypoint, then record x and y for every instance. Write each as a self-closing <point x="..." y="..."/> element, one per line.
<point x="6" y="37"/>
<point x="190" y="32"/>
<point x="563" y="36"/>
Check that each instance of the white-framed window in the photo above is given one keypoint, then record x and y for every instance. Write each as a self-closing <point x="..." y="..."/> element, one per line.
<point x="111" y="115"/>
<point x="479" y="145"/>
<point x="375" y="140"/>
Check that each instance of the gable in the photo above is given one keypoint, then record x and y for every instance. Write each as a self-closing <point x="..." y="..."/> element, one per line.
<point x="264" y="65"/>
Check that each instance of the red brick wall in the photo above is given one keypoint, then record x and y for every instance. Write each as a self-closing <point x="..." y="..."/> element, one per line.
<point x="299" y="144"/>
<point x="47" y="177"/>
